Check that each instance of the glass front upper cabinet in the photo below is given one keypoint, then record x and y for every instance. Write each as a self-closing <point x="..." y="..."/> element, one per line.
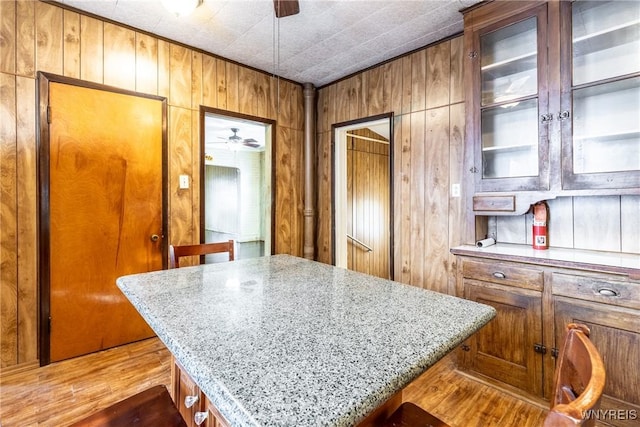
<point x="513" y="136"/>
<point x="601" y="95"/>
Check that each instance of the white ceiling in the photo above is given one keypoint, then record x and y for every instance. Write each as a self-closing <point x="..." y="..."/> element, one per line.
<point x="326" y="41"/>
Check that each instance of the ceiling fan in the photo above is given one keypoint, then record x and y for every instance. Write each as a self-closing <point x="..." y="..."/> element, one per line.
<point x="286" y="8"/>
<point x="236" y="139"/>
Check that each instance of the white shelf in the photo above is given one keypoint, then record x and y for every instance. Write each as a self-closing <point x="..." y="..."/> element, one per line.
<point x="509" y="61"/>
<point x="608" y="136"/>
<point x="609" y="30"/>
<point x="508" y="147"/>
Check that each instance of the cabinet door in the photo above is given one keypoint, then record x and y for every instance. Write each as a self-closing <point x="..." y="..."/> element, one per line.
<point x="615" y="331"/>
<point x="510" y="122"/>
<point x="186" y="394"/>
<point x="600" y="69"/>
<point x="504" y="348"/>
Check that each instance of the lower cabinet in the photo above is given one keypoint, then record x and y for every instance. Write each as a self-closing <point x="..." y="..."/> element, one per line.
<point x="194" y="406"/>
<point x="508" y="348"/>
<point x="611" y="310"/>
<point x="517" y="350"/>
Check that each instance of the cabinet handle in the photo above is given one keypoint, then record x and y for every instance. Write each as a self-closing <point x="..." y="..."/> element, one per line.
<point x="189" y="401"/>
<point x="199" y="417"/>
<point x="499" y="275"/>
<point x="606" y="292"/>
<point x="465" y="347"/>
<point x="563" y="115"/>
<point x="546" y="118"/>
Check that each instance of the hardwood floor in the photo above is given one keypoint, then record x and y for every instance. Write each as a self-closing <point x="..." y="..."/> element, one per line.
<point x="64" y="392"/>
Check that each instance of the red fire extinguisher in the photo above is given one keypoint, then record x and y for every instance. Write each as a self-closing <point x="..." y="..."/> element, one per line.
<point x="540" y="216"/>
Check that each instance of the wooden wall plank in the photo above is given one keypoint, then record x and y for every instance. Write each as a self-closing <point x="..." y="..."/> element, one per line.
<point x="375" y="91"/>
<point x="417" y="171"/>
<point x="232" y="80"/>
<point x="285" y="110"/>
<point x="8" y="36"/>
<point x="180" y="76"/>
<point x="221" y="76"/>
<point x="407" y="86"/>
<point x="196" y="159"/>
<point x="264" y="96"/>
<point x="456" y="174"/>
<point x="247" y="103"/>
<point x="456" y="83"/>
<point x="49" y="36"/>
<point x="209" y="81"/>
<point x="324" y="209"/>
<point x="8" y="220"/>
<point x="71" y="44"/>
<point x="436" y="210"/>
<point x="25" y="47"/>
<point x="284" y="196"/>
<point x="196" y="80"/>
<point x="27" y="233"/>
<point x="91" y="49"/>
<point x="164" y="67"/>
<point x="180" y="162"/>
<point x="418" y="80"/>
<point x="406" y="207"/>
<point x="119" y="56"/>
<point x="393" y="74"/>
<point x="398" y="184"/>
<point x="146" y="64"/>
<point x="560" y="223"/>
<point x="438" y="74"/>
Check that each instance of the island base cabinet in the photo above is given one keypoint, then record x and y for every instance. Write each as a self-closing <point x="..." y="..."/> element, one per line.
<point x="505" y="348"/>
<point x="615" y="331"/>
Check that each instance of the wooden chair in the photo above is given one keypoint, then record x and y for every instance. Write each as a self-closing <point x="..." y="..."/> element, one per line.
<point x="176" y="252"/>
<point x="579" y="380"/>
<point x="150" y="408"/>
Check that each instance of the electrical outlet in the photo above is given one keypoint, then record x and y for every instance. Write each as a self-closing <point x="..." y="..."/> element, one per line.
<point x="455" y="190"/>
<point x="184" y="181"/>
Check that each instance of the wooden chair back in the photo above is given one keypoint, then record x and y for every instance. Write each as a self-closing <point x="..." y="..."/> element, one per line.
<point x="579" y="381"/>
<point x="177" y="252"/>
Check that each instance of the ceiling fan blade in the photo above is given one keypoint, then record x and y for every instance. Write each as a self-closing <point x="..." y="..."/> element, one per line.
<point x="286" y="8"/>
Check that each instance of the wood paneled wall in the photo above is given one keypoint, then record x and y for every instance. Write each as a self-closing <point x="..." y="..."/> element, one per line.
<point x="425" y="92"/>
<point x="36" y="36"/>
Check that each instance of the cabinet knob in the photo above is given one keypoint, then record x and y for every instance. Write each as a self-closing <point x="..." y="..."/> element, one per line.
<point x="189" y="401"/>
<point x="606" y="292"/>
<point x="199" y="417"/>
<point x="546" y="118"/>
<point x="499" y="275"/>
<point x="563" y="115"/>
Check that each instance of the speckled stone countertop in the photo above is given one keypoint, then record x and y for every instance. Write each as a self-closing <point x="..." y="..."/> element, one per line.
<point x="283" y="341"/>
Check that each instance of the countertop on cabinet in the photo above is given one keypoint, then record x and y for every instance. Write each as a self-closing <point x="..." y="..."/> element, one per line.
<point x="281" y="340"/>
<point x="615" y="262"/>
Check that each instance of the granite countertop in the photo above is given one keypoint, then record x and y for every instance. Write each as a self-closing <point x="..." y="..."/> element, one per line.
<point x="559" y="257"/>
<point x="283" y="341"/>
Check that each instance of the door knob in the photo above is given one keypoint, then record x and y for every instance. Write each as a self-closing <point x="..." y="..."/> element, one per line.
<point x="154" y="237"/>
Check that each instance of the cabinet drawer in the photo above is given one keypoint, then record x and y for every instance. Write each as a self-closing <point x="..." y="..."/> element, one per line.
<point x="503" y="273"/>
<point x="600" y="289"/>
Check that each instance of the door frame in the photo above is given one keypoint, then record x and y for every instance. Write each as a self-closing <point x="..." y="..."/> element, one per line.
<point x="338" y="166"/>
<point x="204" y="110"/>
<point x="42" y="173"/>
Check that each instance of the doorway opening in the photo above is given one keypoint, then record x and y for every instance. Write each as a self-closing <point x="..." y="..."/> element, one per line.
<point x="236" y="183"/>
<point x="363" y="195"/>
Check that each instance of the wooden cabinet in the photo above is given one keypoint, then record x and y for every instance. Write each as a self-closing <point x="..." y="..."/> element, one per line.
<point x="553" y="97"/>
<point x="611" y="309"/>
<point x="194" y="406"/>
<point x="535" y="298"/>
<point x="508" y="349"/>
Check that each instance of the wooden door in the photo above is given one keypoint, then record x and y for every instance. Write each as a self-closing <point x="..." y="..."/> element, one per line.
<point x="368" y="206"/>
<point x="102" y="211"/>
<point x="615" y="331"/>
<point x="504" y="348"/>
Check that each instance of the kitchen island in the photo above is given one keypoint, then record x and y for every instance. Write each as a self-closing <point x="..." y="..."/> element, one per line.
<point x="283" y="341"/>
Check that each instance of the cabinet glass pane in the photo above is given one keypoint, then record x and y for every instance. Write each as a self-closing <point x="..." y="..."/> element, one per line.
<point x="510" y="140"/>
<point x="509" y="58"/>
<point x="606" y="127"/>
<point x="606" y="39"/>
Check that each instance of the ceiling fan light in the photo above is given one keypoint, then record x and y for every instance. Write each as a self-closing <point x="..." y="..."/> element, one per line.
<point x="181" y="7"/>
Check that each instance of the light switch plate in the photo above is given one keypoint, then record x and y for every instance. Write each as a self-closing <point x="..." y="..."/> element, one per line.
<point x="455" y="190"/>
<point x="184" y="181"/>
